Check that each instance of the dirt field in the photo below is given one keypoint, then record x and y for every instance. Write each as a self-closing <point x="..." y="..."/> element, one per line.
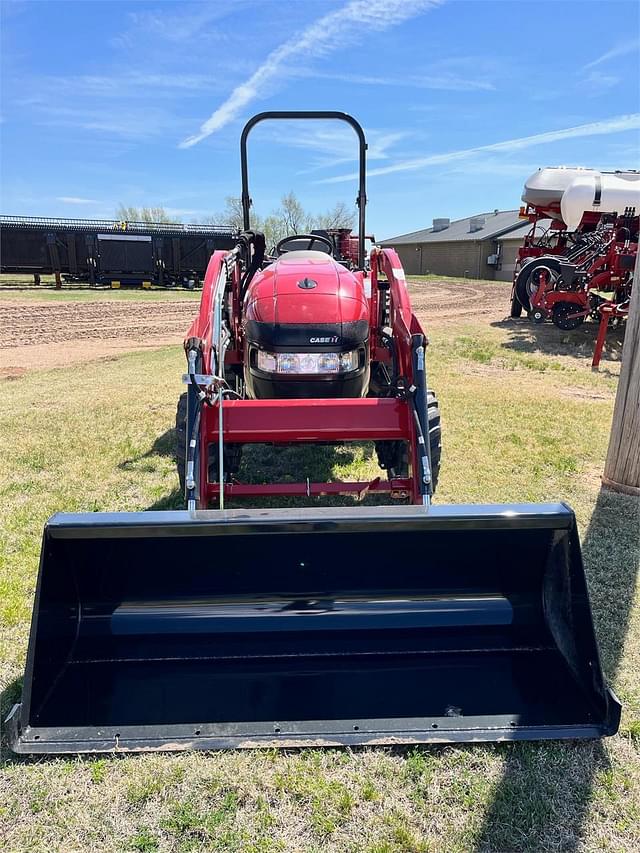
<point x="446" y="301"/>
<point x="43" y="334"/>
<point x="56" y="334"/>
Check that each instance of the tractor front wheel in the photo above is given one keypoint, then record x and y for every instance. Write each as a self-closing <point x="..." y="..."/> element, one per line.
<point x="393" y="456"/>
<point x="435" y="436"/>
<point x="181" y="438"/>
<point x="232" y="452"/>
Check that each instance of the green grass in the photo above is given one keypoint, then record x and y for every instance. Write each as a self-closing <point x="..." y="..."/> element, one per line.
<point x="513" y="430"/>
<point x="456" y="279"/>
<point x="21" y="287"/>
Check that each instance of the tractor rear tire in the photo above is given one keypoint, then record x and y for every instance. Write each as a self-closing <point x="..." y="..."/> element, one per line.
<point x="181" y="438"/>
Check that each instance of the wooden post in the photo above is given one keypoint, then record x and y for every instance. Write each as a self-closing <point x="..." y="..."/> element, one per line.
<point x="622" y="467"/>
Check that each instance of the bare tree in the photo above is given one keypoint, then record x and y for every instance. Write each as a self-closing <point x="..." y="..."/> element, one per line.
<point x="340" y="216"/>
<point x="289" y="218"/>
<point x="142" y="214"/>
<point x="272" y="226"/>
<point x="231" y="215"/>
<point x="294" y="218"/>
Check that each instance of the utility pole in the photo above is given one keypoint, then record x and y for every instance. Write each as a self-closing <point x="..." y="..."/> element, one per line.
<point x="622" y="467"/>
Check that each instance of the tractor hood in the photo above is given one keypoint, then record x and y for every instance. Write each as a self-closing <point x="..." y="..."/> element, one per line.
<point x="310" y="289"/>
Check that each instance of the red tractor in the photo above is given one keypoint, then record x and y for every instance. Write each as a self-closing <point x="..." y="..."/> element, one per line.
<point x="205" y="629"/>
<point x="302" y="348"/>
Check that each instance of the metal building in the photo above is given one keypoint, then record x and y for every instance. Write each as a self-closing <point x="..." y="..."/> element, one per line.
<point x="480" y="246"/>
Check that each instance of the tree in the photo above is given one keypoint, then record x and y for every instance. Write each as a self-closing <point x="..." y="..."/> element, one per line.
<point x="142" y="214"/>
<point x="294" y="219"/>
<point x="622" y="467"/>
<point x="289" y="218"/>
<point x="339" y="217"/>
<point x="231" y="215"/>
<point x="273" y="229"/>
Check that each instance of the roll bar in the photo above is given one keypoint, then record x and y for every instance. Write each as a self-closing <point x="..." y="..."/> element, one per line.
<point x="361" y="200"/>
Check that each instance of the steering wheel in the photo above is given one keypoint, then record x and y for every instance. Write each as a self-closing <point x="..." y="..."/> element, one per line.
<point x="325" y="242"/>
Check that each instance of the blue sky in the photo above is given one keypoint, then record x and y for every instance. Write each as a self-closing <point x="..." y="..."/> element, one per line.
<point x="142" y="103"/>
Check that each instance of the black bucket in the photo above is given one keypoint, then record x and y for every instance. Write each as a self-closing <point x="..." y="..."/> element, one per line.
<point x="165" y="630"/>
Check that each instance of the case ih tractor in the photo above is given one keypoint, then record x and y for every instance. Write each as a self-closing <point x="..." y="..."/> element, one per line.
<point x="308" y="350"/>
<point x="200" y="629"/>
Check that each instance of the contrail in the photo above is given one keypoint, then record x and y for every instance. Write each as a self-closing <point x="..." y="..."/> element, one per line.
<point x="596" y="128"/>
<point x="621" y="49"/>
<point x="320" y="38"/>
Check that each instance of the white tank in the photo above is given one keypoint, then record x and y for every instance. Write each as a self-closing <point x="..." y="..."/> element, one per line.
<point x="545" y="187"/>
<point x="599" y="192"/>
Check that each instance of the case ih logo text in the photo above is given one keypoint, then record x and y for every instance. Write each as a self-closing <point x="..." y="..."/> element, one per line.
<point x="331" y="340"/>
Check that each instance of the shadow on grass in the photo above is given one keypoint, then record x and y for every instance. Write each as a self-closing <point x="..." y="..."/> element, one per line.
<point x="174" y="500"/>
<point x="263" y="463"/>
<point x="164" y="445"/>
<point x="546" y="339"/>
<point x="543" y="797"/>
<point x="8" y="698"/>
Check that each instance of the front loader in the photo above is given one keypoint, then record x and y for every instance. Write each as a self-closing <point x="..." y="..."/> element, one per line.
<point x="410" y="623"/>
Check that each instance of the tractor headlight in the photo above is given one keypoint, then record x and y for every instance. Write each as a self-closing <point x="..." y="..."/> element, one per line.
<point x="308" y="362"/>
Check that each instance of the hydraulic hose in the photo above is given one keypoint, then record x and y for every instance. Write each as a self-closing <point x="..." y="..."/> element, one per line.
<point x="426" y="483"/>
<point x="420" y="406"/>
<point x="201" y="398"/>
<point x="190" y="480"/>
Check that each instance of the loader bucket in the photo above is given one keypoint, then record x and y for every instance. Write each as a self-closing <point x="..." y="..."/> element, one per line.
<point x="170" y="630"/>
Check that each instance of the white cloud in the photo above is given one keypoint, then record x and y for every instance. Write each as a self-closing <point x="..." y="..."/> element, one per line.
<point x="74" y="199"/>
<point x="596" y="83"/>
<point x="621" y="49"/>
<point x="192" y="21"/>
<point x="327" y="34"/>
<point x="127" y="124"/>
<point x="434" y="80"/>
<point x="596" y="128"/>
<point x="334" y="143"/>
<point x="127" y="84"/>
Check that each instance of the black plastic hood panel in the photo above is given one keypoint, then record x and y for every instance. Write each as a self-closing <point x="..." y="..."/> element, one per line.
<point x="316" y="337"/>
